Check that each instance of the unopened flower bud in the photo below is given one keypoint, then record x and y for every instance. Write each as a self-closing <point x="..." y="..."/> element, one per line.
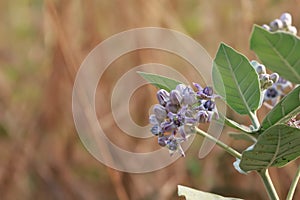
<point x="175" y="97"/>
<point x="264" y="77"/>
<point x="153" y="120"/>
<point x="180" y="88"/>
<point x="202" y="116"/>
<point x="189" y="96"/>
<point x="162" y="141"/>
<point x="162" y="97"/>
<point x="276" y="25"/>
<point x="172" y="107"/>
<point x="292" y="30"/>
<point x="261" y="69"/>
<point x="274" y="77"/>
<point x="267" y="27"/>
<point x="159" y="112"/>
<point x="156" y="130"/>
<point x="267" y="84"/>
<point x="286" y="18"/>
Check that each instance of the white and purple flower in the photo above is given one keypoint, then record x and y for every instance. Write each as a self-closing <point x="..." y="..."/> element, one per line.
<point x="178" y="112"/>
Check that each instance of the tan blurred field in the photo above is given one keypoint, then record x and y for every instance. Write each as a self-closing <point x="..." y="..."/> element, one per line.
<point x="42" y="46"/>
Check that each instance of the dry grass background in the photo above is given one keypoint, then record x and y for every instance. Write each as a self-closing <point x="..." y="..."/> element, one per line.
<point x="42" y="46"/>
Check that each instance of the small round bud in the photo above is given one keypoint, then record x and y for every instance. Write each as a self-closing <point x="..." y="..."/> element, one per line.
<point x="292" y="30"/>
<point x="159" y="112"/>
<point x="162" y="97"/>
<point x="261" y="69"/>
<point x="202" y="116"/>
<point x="268" y="84"/>
<point x="175" y="97"/>
<point x="274" y="77"/>
<point x="156" y="130"/>
<point x="189" y="96"/>
<point x="180" y="88"/>
<point x="162" y="141"/>
<point x="276" y="25"/>
<point x="172" y="107"/>
<point x="286" y="18"/>
<point x="267" y="27"/>
<point x="265" y="77"/>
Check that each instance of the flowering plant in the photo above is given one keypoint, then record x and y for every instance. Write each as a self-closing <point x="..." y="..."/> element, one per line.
<point x="245" y="86"/>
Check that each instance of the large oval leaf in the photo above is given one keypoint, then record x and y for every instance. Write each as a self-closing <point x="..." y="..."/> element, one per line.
<point x="288" y="107"/>
<point x="241" y="84"/>
<point x="279" y="51"/>
<point x="161" y="82"/>
<point x="192" y="194"/>
<point x="277" y="146"/>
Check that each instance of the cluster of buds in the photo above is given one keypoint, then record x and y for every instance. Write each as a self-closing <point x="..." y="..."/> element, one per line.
<point x="272" y="85"/>
<point x="284" y="23"/>
<point x="266" y="80"/>
<point x="178" y="112"/>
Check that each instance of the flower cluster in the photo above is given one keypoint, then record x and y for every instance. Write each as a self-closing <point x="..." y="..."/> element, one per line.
<point x="178" y="112"/>
<point x="266" y="80"/>
<point x="284" y="23"/>
<point x="272" y="85"/>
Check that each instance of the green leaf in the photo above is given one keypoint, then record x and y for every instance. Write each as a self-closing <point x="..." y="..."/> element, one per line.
<point x="276" y="147"/>
<point x="192" y="194"/>
<point x="279" y="51"/>
<point x="241" y="84"/>
<point x="161" y="82"/>
<point x="288" y="107"/>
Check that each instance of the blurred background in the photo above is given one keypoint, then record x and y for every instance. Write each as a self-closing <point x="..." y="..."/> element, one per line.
<point x="42" y="46"/>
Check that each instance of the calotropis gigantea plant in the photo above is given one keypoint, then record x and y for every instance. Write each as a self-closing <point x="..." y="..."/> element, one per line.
<point x="245" y="86"/>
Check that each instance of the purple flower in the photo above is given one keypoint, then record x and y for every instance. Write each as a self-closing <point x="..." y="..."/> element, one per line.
<point x="205" y="93"/>
<point x="173" y="144"/>
<point x="168" y="126"/>
<point x="178" y="112"/>
<point x="160" y="112"/>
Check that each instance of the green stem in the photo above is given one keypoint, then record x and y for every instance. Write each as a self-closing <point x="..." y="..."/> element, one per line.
<point x="254" y="120"/>
<point x="293" y="185"/>
<point x="264" y="174"/>
<point x="219" y="143"/>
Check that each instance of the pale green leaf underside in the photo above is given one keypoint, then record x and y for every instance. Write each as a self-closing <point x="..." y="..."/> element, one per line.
<point x="276" y="147"/>
<point x="241" y="84"/>
<point x="288" y="107"/>
<point x="278" y="51"/>
<point x="161" y="82"/>
<point x="237" y="126"/>
<point x="241" y="136"/>
<point x="192" y="194"/>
